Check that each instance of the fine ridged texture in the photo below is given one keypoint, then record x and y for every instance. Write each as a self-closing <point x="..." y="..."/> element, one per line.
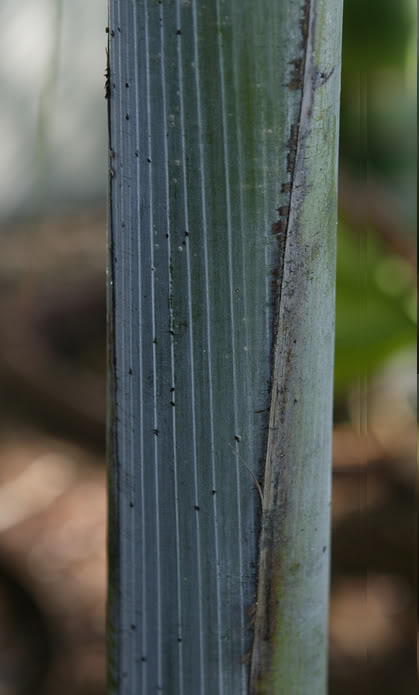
<point x="203" y="102"/>
<point x="289" y="655"/>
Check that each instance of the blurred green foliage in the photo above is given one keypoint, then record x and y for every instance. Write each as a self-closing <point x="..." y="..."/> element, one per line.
<point x="374" y="305"/>
<point x="375" y="34"/>
<point x="376" y="287"/>
<point x="377" y="110"/>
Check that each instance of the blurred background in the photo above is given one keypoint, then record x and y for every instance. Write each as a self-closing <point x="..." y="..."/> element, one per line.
<point x="53" y="171"/>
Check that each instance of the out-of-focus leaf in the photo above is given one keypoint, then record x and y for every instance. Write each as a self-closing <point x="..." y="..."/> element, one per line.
<point x="378" y="108"/>
<point x="375" y="33"/>
<point x="373" y="320"/>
